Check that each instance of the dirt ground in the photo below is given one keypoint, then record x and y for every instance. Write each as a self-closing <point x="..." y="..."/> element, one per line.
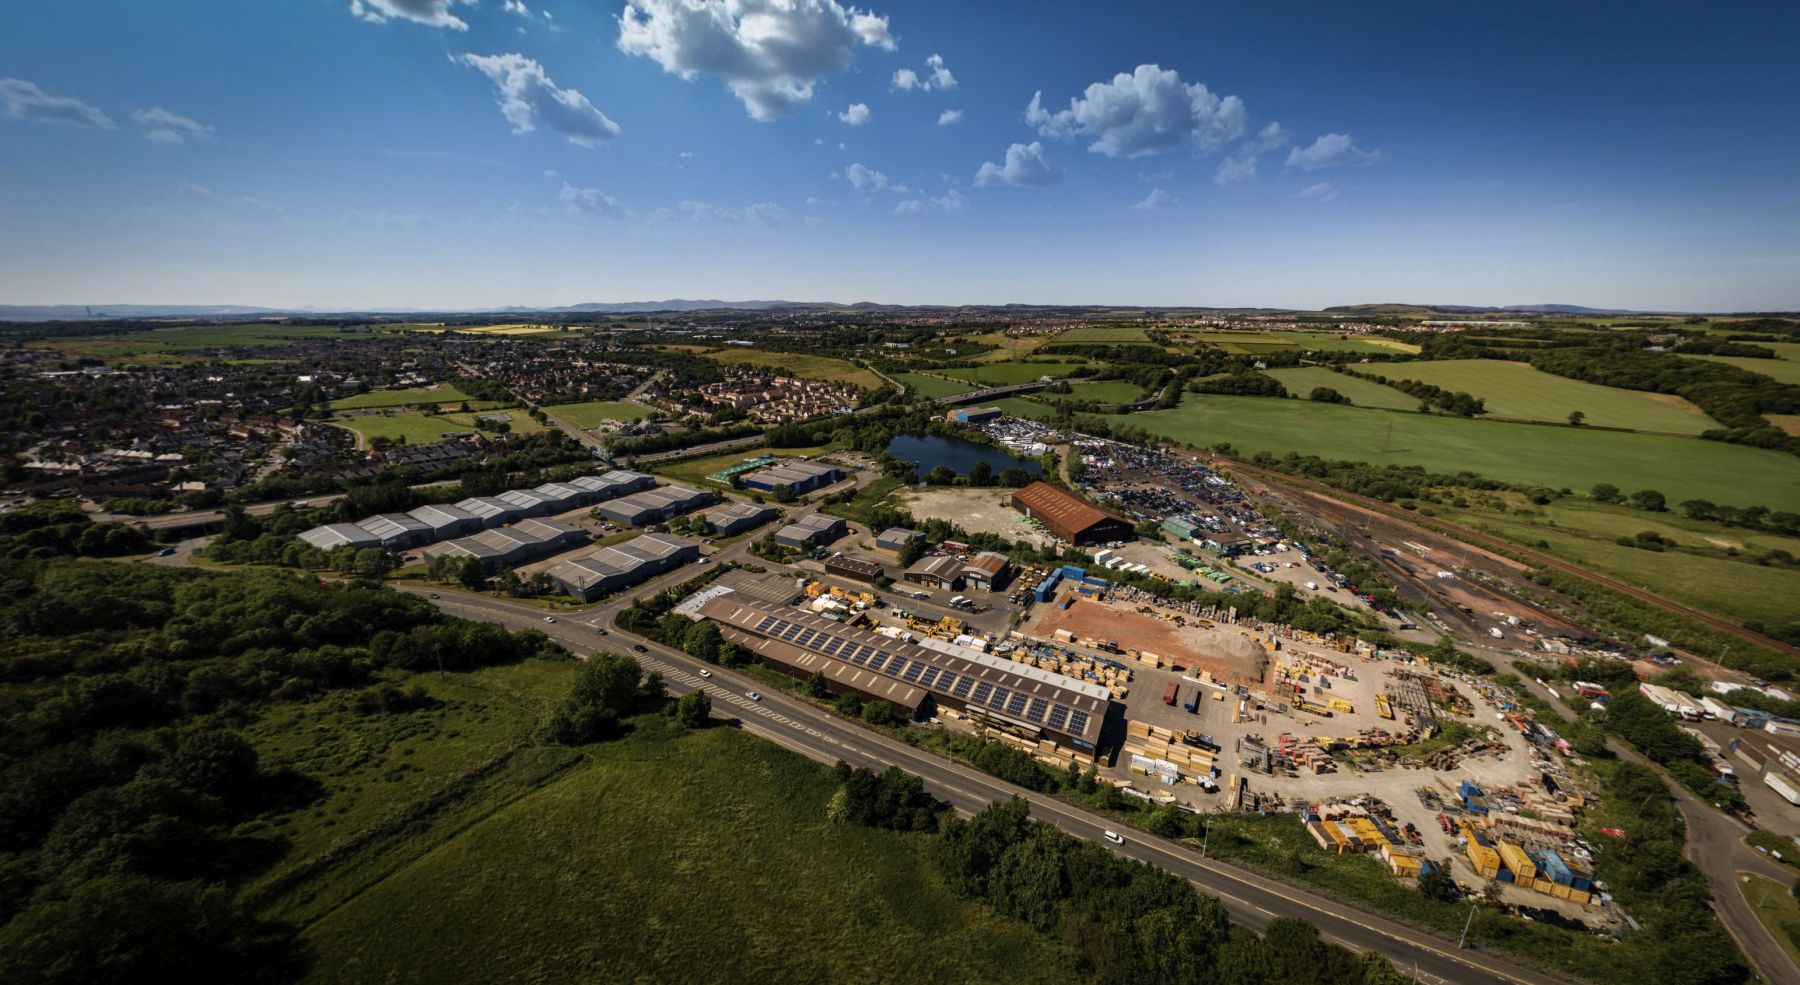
<point x="1222" y="651"/>
<point x="975" y="510"/>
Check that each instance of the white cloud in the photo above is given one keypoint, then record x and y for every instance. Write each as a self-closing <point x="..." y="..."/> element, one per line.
<point x="163" y="127"/>
<point x="1025" y="165"/>
<point x="1156" y="201"/>
<point x="770" y="53"/>
<point x="435" y="13"/>
<point x="516" y="7"/>
<point x="937" y="76"/>
<point x="588" y="201"/>
<point x="856" y="114"/>
<point x="686" y="155"/>
<point x="940" y="76"/>
<point x="528" y="96"/>
<point x="1150" y="111"/>
<point x="949" y="203"/>
<point x="1322" y="191"/>
<point x="1332" y="150"/>
<point x="949" y="116"/>
<point x="866" y="179"/>
<point x="25" y="101"/>
<point x="758" y="214"/>
<point x="1240" y="165"/>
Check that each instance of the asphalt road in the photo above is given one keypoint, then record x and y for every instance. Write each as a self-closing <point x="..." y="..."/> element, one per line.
<point x="1251" y="899"/>
<point x="1715" y="844"/>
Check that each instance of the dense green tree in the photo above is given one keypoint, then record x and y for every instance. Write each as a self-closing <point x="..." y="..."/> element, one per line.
<point x="694" y="709"/>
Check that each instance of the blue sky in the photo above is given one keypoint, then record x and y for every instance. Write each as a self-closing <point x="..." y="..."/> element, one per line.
<point x="472" y="153"/>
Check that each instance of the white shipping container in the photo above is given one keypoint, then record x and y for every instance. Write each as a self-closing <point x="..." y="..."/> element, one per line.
<point x="1780" y="785"/>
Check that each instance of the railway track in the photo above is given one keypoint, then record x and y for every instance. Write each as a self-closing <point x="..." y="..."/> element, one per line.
<point x="1533" y="557"/>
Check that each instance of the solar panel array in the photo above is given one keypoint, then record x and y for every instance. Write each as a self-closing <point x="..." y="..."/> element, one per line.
<point x="1013" y="703"/>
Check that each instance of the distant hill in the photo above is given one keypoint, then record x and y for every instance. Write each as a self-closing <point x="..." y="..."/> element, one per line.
<point x="83" y="312"/>
<point x="1467" y="309"/>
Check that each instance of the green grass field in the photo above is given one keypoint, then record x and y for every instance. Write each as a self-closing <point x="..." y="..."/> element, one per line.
<point x="1702" y="575"/>
<point x="663" y="856"/>
<point x="1300" y="381"/>
<point x="419" y="429"/>
<point x="1783" y="370"/>
<point x="189" y="342"/>
<point x="1006" y="374"/>
<point x="1114" y="392"/>
<point x="931" y="386"/>
<point x="1681" y="468"/>
<point x="800" y="364"/>
<point x="590" y="414"/>
<point x="447" y="393"/>
<point x="1020" y="407"/>
<point x="1518" y="392"/>
<point x="1105" y="336"/>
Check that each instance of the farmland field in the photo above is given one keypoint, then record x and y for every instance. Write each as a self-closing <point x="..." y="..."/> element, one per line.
<point x="590" y="414"/>
<point x="931" y="386"/>
<point x="1105" y="336"/>
<point x="1256" y="343"/>
<point x="1006" y="374"/>
<point x="1738" y="589"/>
<point x="1516" y="391"/>
<point x="442" y="394"/>
<point x="800" y="364"/>
<point x="188" y="342"/>
<point x="1300" y="381"/>
<point x="1785" y="369"/>
<point x="1526" y="453"/>
<point x="539" y="882"/>
<point x="1010" y="346"/>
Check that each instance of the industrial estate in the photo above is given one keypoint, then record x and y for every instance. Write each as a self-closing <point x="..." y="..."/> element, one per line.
<point x="1145" y="547"/>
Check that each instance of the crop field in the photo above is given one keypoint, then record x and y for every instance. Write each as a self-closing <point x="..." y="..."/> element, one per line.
<point x="590" y="414"/>
<point x="1105" y="336"/>
<point x="442" y="394"/>
<point x="417" y="428"/>
<point x="1010" y="346"/>
<point x="1006" y="374"/>
<point x="541" y="883"/>
<point x="931" y="386"/>
<point x="1300" y="381"/>
<point x="800" y="364"/>
<point x="1259" y="343"/>
<point x="1785" y="369"/>
<point x="1518" y="392"/>
<point x="1527" y="453"/>
<point x="1787" y="423"/>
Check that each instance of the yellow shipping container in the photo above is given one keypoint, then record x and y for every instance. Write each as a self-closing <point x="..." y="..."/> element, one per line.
<point x="1524" y="872"/>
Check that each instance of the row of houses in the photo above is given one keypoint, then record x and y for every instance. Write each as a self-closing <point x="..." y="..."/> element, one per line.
<point x="440" y="521"/>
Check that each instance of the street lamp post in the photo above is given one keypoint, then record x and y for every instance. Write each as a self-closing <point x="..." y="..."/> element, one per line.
<point x="1207" y="840"/>
<point x="1463" y="942"/>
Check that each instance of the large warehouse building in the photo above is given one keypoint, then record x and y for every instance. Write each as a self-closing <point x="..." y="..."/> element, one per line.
<point x="655" y="505"/>
<point x="440" y="521"/>
<point x="509" y="547"/>
<point x="797" y="477"/>
<point x="914" y="678"/>
<point x="1074" y="520"/>
<point x="620" y="566"/>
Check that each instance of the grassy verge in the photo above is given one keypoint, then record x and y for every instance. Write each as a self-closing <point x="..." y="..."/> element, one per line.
<point x="1778" y="911"/>
<point x="1781" y="849"/>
